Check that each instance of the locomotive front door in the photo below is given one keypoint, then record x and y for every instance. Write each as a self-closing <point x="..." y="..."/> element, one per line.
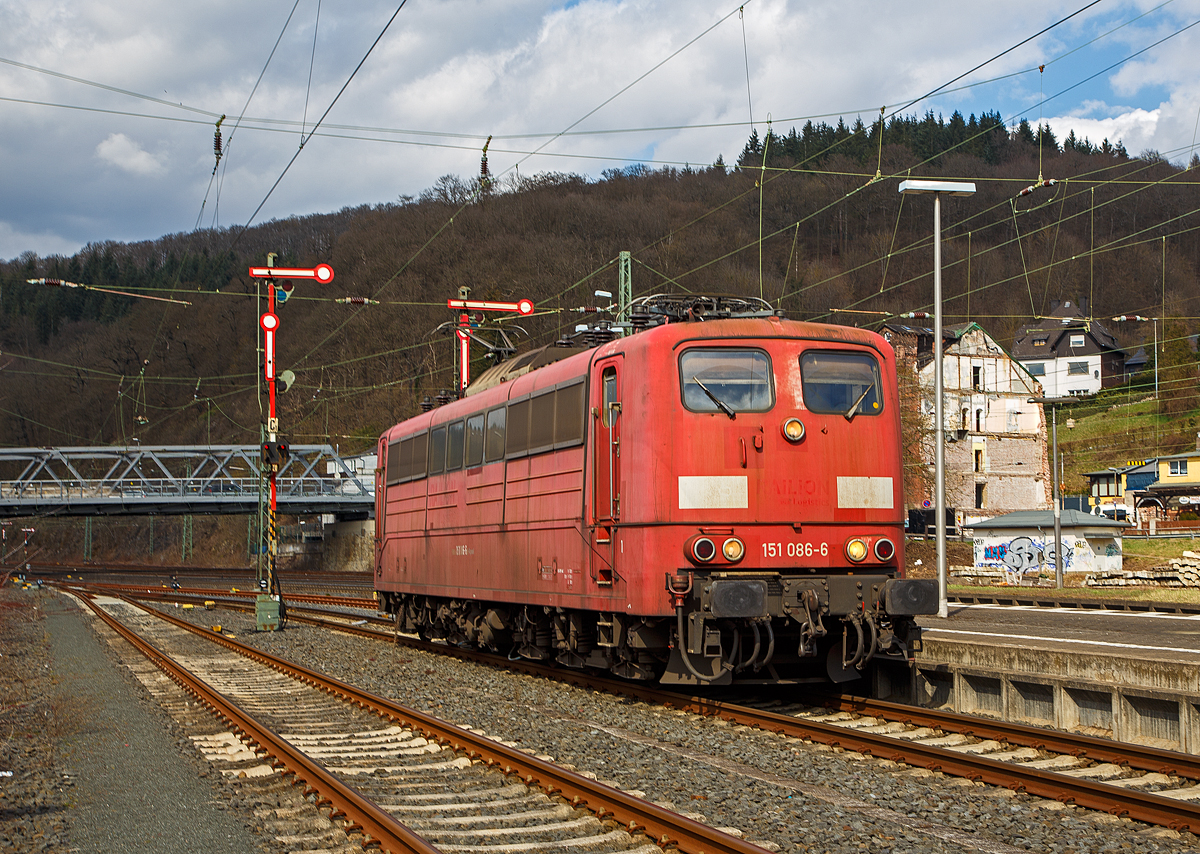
<point x="606" y="465"/>
<point x="607" y="412"/>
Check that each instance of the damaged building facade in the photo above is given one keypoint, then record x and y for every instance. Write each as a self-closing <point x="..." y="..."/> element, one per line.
<point x="996" y="454"/>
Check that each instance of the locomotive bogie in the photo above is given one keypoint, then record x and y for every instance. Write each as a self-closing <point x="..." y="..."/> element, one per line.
<point x="694" y="503"/>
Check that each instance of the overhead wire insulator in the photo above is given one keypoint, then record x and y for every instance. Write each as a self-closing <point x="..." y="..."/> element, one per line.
<point x="54" y="283"/>
<point x="1048" y="182"/>
<point x="217" y="147"/>
<point x="357" y="301"/>
<point x="485" y="175"/>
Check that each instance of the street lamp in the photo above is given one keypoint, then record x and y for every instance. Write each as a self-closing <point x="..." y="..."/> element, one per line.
<point x="937" y="189"/>
<point x="1122" y="317"/>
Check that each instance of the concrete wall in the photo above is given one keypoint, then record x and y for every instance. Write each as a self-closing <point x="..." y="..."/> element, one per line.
<point x="1151" y="702"/>
<point x="349" y="547"/>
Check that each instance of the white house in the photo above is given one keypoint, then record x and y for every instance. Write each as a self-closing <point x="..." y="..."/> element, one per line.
<point x="1069" y="353"/>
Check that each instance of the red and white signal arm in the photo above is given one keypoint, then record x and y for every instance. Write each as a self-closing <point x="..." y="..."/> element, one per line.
<point x="269" y="322"/>
<point x="523" y="306"/>
<point x="322" y="273"/>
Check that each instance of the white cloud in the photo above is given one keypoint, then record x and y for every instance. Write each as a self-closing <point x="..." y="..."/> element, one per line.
<point x="1134" y="128"/>
<point x="466" y="69"/>
<point x="16" y="241"/>
<point x="124" y="153"/>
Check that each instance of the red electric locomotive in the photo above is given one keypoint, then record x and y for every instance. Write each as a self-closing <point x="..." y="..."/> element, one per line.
<point x="702" y="501"/>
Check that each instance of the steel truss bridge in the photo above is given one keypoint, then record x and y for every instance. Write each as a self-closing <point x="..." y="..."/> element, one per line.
<point x="179" y="480"/>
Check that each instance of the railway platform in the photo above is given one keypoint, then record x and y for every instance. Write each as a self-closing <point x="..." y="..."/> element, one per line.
<point x="1132" y="675"/>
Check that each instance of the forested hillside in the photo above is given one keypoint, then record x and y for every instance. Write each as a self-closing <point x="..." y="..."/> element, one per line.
<point x="810" y="220"/>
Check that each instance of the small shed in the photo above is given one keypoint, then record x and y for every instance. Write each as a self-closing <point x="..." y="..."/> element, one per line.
<point x="1021" y="544"/>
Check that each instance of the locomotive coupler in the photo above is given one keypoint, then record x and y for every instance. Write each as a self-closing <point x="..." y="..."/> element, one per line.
<point x="812" y="628"/>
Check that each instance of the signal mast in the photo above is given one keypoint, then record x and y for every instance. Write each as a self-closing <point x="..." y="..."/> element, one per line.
<point x="269" y="608"/>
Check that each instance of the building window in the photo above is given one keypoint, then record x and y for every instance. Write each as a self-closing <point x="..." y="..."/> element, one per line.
<point x="1040" y="342"/>
<point x="978" y="420"/>
<point x="977" y="378"/>
<point x="980" y="495"/>
<point x="1077" y="369"/>
<point x="1178" y="467"/>
<point x="979" y="459"/>
<point x="1076" y="340"/>
<point x="1037" y="369"/>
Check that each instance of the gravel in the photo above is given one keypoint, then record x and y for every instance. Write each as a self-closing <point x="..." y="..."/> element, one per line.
<point x="96" y="766"/>
<point x="783" y="793"/>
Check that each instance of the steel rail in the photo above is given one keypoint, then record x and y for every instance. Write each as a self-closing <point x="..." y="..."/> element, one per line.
<point x="345" y="802"/>
<point x="1141" y="806"/>
<point x="1072" y="744"/>
<point x="665" y="827"/>
<point x="207" y="593"/>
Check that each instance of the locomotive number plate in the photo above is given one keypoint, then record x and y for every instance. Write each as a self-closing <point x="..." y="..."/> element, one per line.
<point x="793" y="549"/>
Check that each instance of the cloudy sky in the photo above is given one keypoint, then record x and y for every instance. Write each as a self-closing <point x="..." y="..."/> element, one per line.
<point x="107" y="108"/>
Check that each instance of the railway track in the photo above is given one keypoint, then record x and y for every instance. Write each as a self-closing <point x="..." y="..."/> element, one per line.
<point x="389" y="775"/>
<point x="1155" y="786"/>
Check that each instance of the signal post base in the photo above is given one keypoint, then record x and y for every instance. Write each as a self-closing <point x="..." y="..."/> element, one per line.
<point x="267" y="613"/>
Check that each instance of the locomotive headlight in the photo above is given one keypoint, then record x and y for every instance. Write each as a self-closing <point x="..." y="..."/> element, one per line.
<point x="793" y="429"/>
<point x="885" y="549"/>
<point x="704" y="549"/>
<point x="856" y="550"/>
<point x="733" y="549"/>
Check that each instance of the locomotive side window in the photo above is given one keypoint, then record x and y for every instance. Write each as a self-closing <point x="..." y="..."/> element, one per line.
<point x="454" y="446"/>
<point x="420" y="444"/>
<point x="475" y="440"/>
<point x="541" y="422"/>
<point x="841" y="382"/>
<point x="608" y="416"/>
<point x="405" y="470"/>
<point x="393" y="464"/>
<point x="726" y="380"/>
<point x="568" y="416"/>
<point x="437" y="450"/>
<point x="517" y="441"/>
<point x="494" y="438"/>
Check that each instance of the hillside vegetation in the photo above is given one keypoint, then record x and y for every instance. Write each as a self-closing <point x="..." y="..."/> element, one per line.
<point x="837" y="244"/>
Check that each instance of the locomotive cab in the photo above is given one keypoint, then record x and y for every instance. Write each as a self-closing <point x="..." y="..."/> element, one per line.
<point x="760" y="461"/>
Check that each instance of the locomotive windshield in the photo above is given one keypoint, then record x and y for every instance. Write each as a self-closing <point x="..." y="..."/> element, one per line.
<point x="841" y="382"/>
<point x="726" y="380"/>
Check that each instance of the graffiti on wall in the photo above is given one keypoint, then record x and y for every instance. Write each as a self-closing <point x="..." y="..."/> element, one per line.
<point x="1021" y="557"/>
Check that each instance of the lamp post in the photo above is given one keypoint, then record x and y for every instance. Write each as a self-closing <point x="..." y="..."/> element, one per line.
<point x="1154" y="320"/>
<point x="1055" y="472"/>
<point x="937" y="189"/>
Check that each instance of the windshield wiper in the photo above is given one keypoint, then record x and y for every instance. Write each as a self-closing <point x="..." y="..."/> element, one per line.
<point x="853" y="410"/>
<point x="722" y="405"/>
